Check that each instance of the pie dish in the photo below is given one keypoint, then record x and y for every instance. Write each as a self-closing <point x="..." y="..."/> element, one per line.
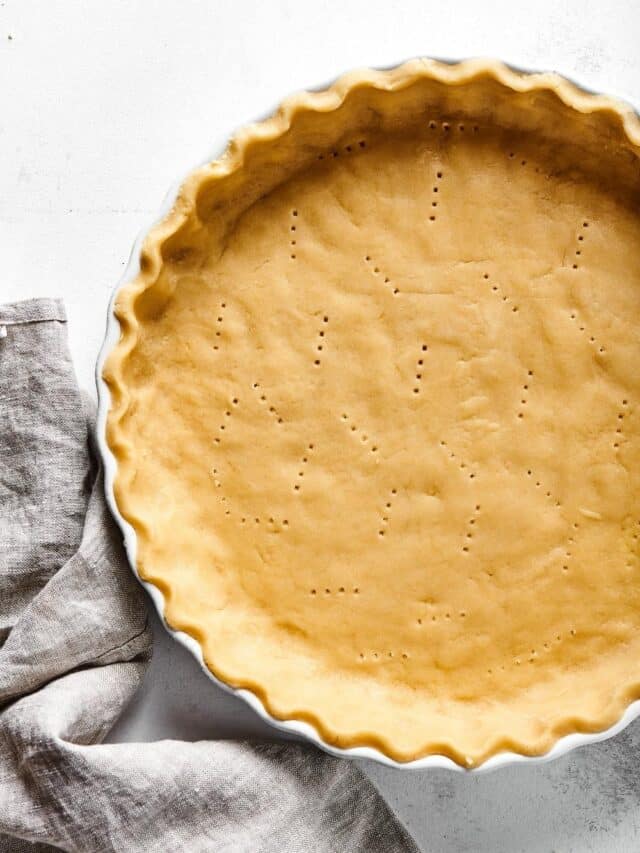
<point x="374" y="411"/>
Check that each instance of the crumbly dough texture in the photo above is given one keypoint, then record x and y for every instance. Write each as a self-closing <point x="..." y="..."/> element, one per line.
<point x="376" y="411"/>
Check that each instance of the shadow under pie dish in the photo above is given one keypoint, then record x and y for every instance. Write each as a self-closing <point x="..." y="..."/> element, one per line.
<point x="374" y="411"/>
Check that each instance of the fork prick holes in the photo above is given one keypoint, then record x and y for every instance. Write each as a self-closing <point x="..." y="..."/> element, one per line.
<point x="524" y="396"/>
<point x="592" y="339"/>
<point x="503" y="296"/>
<point x="304" y="462"/>
<point x="578" y="250"/>
<point x="265" y="401"/>
<point x="227" y="414"/>
<point x="435" y="190"/>
<point x="357" y="433"/>
<point x="376" y="270"/>
<point x="385" y="515"/>
<point x="292" y="240"/>
<point x="462" y="465"/>
<point x="618" y="435"/>
<point x="320" y="342"/>
<point x="418" y="373"/>
<point x="220" y="321"/>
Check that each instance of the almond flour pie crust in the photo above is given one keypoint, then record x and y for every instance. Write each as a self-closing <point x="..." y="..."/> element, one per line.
<point x="375" y="409"/>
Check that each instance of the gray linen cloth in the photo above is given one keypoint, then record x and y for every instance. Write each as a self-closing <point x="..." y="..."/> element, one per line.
<point x="74" y="646"/>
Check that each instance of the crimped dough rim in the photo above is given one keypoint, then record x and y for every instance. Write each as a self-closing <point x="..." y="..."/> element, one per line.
<point x="186" y="207"/>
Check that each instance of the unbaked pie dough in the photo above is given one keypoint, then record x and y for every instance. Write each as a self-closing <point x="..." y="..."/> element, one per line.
<point x="376" y="411"/>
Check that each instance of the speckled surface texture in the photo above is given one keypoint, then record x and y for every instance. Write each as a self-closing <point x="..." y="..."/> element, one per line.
<point x="102" y="107"/>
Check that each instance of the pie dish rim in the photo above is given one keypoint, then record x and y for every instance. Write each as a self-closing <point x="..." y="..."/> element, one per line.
<point x="172" y="208"/>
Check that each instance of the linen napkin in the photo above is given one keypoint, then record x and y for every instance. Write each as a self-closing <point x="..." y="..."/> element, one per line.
<point x="74" y="646"/>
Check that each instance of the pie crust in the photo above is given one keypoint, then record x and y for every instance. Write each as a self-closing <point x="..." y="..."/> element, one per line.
<point x="376" y="410"/>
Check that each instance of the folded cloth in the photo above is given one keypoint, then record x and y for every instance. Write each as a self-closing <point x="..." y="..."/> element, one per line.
<point x="74" y="646"/>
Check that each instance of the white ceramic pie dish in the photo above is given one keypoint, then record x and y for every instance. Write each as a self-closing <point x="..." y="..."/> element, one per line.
<point x="295" y="727"/>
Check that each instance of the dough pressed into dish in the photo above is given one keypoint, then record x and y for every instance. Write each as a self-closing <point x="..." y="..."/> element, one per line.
<point x="375" y="410"/>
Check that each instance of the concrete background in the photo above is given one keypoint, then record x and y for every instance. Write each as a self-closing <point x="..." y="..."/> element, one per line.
<point x="102" y="106"/>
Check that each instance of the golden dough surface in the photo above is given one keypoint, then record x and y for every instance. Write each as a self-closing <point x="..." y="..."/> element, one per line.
<point x="385" y="438"/>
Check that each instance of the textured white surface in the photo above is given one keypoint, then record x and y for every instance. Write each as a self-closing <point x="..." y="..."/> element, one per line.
<point x="101" y="106"/>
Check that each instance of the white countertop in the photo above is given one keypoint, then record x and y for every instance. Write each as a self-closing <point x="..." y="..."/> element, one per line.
<point x="102" y="106"/>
